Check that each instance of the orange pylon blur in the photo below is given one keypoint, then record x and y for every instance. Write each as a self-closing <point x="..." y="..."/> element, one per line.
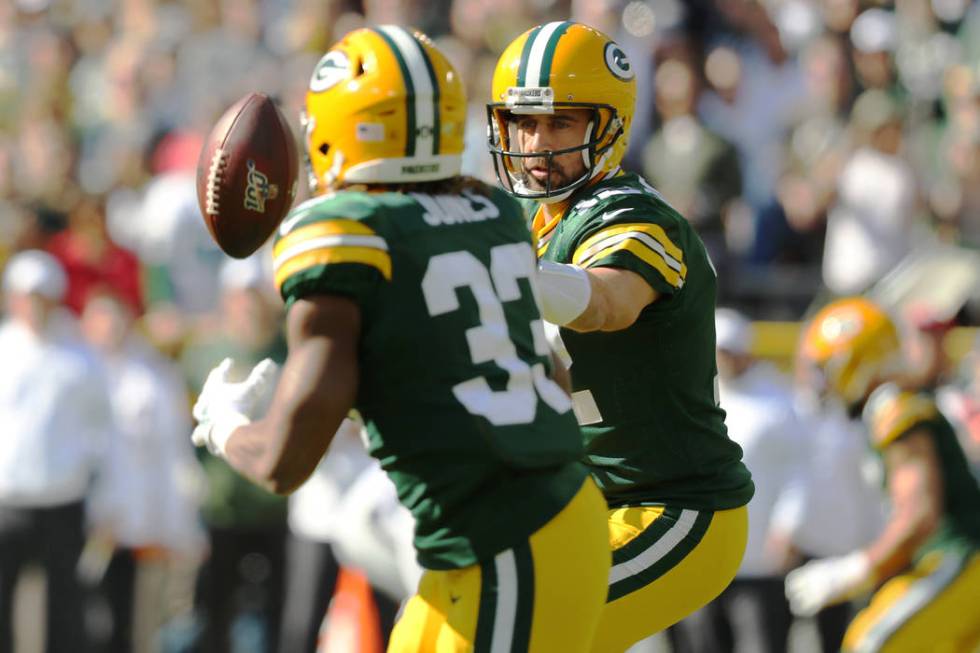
<point x="351" y="624"/>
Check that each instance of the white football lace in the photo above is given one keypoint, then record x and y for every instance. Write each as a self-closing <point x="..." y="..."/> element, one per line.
<point x="218" y="163"/>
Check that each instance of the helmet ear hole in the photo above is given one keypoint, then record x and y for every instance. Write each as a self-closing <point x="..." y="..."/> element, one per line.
<point x="358" y="67"/>
<point x="323" y="149"/>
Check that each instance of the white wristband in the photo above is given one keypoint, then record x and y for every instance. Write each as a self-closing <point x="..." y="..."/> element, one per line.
<point x="214" y="434"/>
<point x="565" y="291"/>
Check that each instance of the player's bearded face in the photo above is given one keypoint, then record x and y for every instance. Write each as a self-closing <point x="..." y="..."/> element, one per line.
<point x="549" y="133"/>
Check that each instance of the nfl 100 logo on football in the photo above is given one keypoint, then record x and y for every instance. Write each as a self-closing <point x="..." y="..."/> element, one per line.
<point x="258" y="189"/>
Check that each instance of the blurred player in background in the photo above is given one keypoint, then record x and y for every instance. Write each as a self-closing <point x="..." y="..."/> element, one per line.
<point x="631" y="285"/>
<point x="410" y="294"/>
<point x="927" y="555"/>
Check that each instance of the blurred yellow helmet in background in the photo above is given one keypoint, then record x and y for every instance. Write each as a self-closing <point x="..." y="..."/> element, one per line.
<point x="855" y="344"/>
<point x="562" y="65"/>
<point x="384" y="105"/>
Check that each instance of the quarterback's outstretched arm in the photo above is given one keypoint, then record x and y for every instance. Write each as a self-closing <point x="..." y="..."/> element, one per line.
<point x="618" y="296"/>
<point x="597" y="299"/>
<point x="315" y="392"/>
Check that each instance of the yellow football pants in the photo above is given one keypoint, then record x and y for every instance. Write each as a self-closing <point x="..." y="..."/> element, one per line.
<point x="933" y="607"/>
<point x="667" y="563"/>
<point x="544" y="596"/>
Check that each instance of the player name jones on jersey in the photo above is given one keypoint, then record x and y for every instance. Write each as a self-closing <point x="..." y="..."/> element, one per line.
<point x="456" y="209"/>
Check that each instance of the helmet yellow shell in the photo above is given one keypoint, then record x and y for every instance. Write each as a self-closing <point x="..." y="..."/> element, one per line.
<point x="562" y="65"/>
<point x="384" y="105"/>
<point x="854" y="343"/>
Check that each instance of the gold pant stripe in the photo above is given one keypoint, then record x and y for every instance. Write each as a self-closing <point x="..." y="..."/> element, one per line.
<point x="664" y="543"/>
<point x="688" y="584"/>
<point x="931" y="607"/>
<point x="543" y="596"/>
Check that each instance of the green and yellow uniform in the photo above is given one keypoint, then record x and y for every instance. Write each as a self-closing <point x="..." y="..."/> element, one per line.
<point x="645" y="396"/>
<point x="933" y="605"/>
<point x="456" y="395"/>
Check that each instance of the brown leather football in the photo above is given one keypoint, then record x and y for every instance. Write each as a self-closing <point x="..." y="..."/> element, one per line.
<point x="247" y="174"/>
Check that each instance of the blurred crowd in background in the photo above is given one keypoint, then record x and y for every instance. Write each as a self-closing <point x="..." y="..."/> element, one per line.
<point x="820" y="147"/>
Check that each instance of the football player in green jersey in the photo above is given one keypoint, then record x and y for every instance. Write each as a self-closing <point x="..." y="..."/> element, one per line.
<point x="928" y="554"/>
<point x="411" y="297"/>
<point x="631" y="286"/>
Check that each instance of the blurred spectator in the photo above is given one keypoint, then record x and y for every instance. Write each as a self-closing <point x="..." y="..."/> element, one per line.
<point x="696" y="170"/>
<point x="838" y="15"/>
<point x="752" y="614"/>
<point x="870" y="227"/>
<point x="165" y="229"/>
<point x="149" y="500"/>
<point x="925" y="48"/>
<point x="91" y="259"/>
<point x="816" y="149"/>
<point x="947" y="158"/>
<point x="31" y="226"/>
<point x="240" y="589"/>
<point x="751" y="104"/>
<point x="54" y="406"/>
<point x="224" y="58"/>
<point x="874" y="36"/>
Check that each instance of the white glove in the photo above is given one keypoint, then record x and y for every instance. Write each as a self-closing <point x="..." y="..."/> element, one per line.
<point x="820" y="583"/>
<point x="224" y="405"/>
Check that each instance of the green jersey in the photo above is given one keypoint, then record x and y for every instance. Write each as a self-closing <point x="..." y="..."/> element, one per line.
<point x="454" y="384"/>
<point x="892" y="413"/>
<point x="646" y="396"/>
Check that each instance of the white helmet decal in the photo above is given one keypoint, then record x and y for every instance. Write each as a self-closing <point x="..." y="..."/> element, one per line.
<point x="332" y="68"/>
<point x="618" y="63"/>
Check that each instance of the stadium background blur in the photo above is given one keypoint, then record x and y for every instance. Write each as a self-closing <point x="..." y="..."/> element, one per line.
<point x="821" y="147"/>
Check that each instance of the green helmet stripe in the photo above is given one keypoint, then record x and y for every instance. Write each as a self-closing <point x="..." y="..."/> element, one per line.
<point x="525" y="55"/>
<point x="436" y="95"/>
<point x="409" y="91"/>
<point x="549" y="52"/>
<point x="541" y="48"/>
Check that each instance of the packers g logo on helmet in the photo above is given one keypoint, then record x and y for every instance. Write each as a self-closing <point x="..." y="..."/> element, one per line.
<point x="561" y="65"/>
<point x="384" y="105"/>
<point x="618" y="63"/>
<point x="332" y="68"/>
<point x="853" y="342"/>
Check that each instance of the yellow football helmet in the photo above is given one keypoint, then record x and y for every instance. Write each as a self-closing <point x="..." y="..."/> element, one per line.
<point x="561" y="65"/>
<point x="384" y="105"/>
<point x="854" y="343"/>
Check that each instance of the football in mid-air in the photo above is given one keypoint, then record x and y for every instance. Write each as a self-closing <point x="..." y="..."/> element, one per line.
<point x="247" y="174"/>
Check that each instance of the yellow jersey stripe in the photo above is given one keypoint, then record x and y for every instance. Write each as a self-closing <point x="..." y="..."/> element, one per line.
<point x="323" y="242"/>
<point x="589" y="256"/>
<point x="323" y="228"/>
<point x="376" y="258"/>
<point x="654" y="230"/>
<point x="644" y="253"/>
